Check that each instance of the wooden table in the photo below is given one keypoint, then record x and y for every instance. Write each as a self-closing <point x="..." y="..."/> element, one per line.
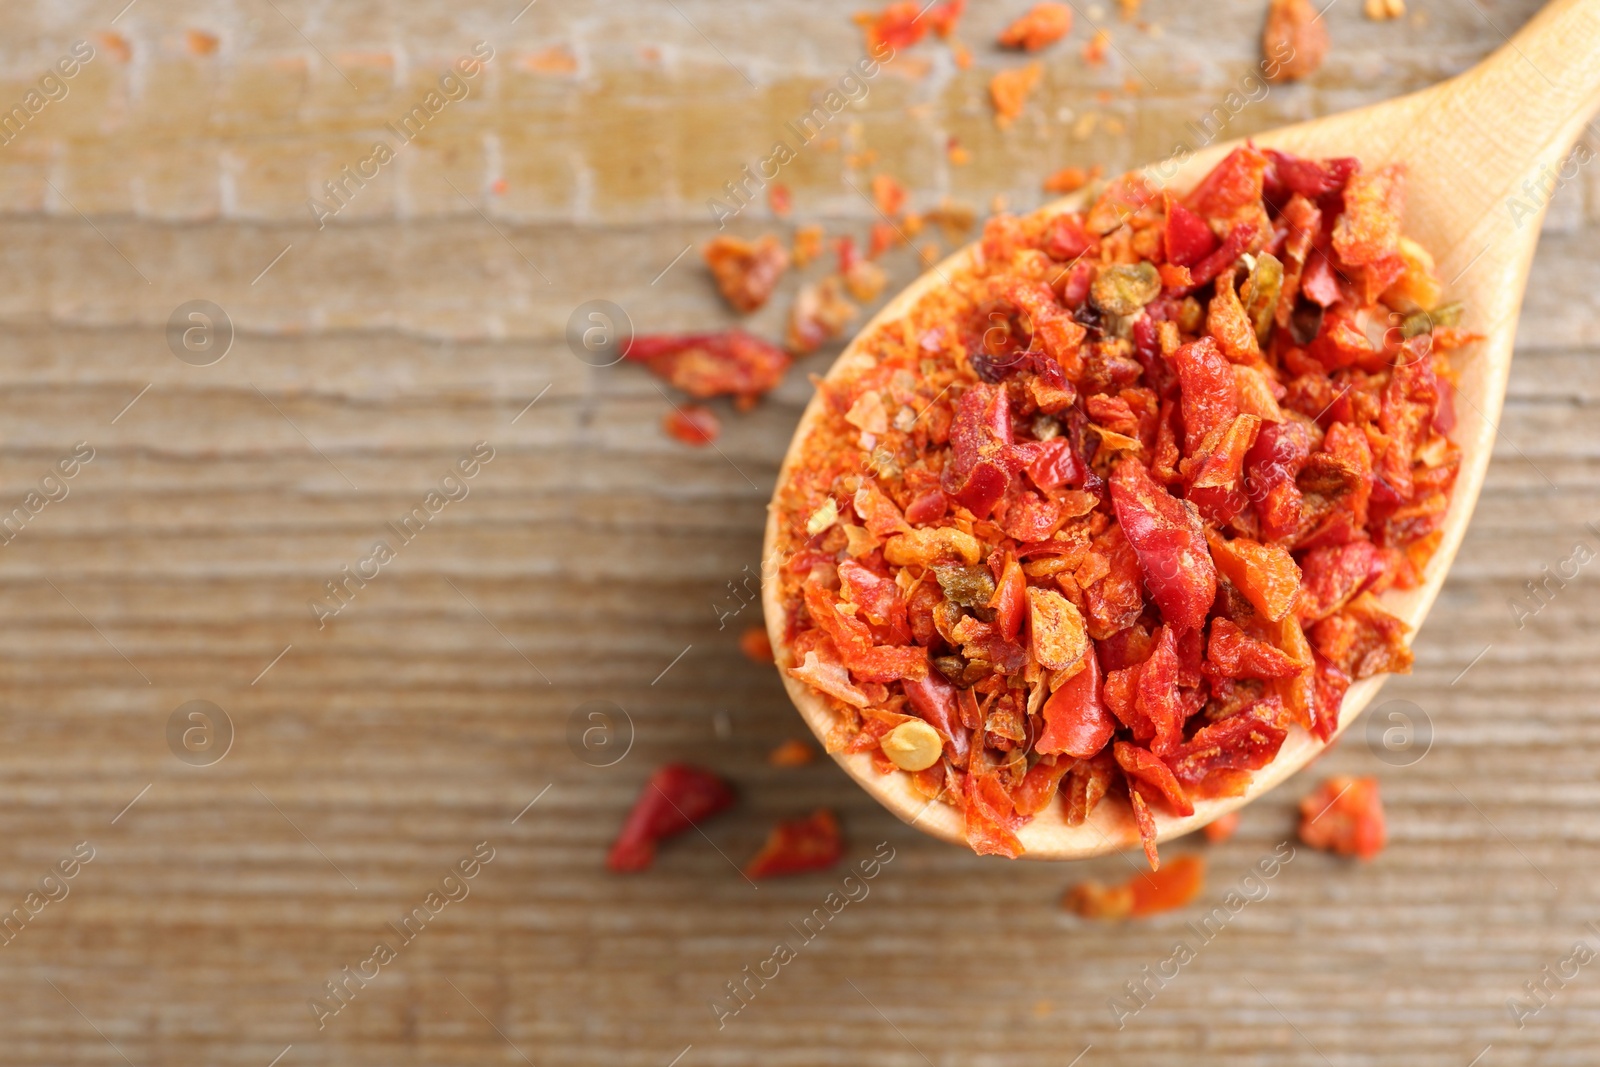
<point x="592" y="559"/>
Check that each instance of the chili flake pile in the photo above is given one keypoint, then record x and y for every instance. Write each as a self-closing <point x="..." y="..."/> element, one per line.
<point x="1107" y="515"/>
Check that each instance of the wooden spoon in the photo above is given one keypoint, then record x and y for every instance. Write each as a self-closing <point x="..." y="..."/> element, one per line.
<point x="1469" y="144"/>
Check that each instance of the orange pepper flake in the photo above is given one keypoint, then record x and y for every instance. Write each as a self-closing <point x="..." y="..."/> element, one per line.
<point x="942" y="18"/>
<point x="557" y="59"/>
<point x="1221" y="828"/>
<point x="499" y="187"/>
<point x="1294" y="41"/>
<point x="201" y="43"/>
<point x="779" y="199"/>
<point x="692" y="424"/>
<point x="1009" y="89"/>
<point x="962" y="55"/>
<point x="1042" y="26"/>
<point x="117" y="45"/>
<point x="888" y="195"/>
<point x="1070" y="179"/>
<point x="792" y="753"/>
<point x="897" y="26"/>
<point x="755" y="645"/>
<point x="1130" y="9"/>
<point x="1344" y="815"/>
<point x="882" y="238"/>
<point x="955" y="153"/>
<point x="808" y="241"/>
<point x="1176" y="884"/>
<point x="799" y="845"/>
<point x="1095" y="49"/>
<point x="746" y="272"/>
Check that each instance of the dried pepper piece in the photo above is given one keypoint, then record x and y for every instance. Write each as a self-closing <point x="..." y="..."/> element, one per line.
<point x="1009" y="89"/>
<point x="746" y="272"/>
<point x="1173" y="887"/>
<point x="1042" y="26"/>
<point x="1076" y="720"/>
<point x="819" y="314"/>
<point x="792" y="753"/>
<point x="676" y="798"/>
<point x="692" y="424"/>
<point x="799" y="845"/>
<point x="1369" y="228"/>
<point x="1169" y="542"/>
<point x="1294" y="40"/>
<point x="755" y="645"/>
<point x="1345" y="816"/>
<point x="899" y="26"/>
<point x="706" y="365"/>
<point x="1222" y="828"/>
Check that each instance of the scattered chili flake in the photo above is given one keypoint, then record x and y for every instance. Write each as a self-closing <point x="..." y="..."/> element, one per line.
<point x="865" y="280"/>
<point x="1344" y="815"/>
<point x="676" y="798"/>
<point x="888" y="195"/>
<point x="898" y="26"/>
<point x="779" y="199"/>
<point x="808" y="241"/>
<point x="957" y="155"/>
<point x="746" y="272"/>
<point x="1294" y="41"/>
<point x="755" y="644"/>
<point x="1143" y="895"/>
<point x="1130" y="9"/>
<point x="117" y="45"/>
<point x="961" y="54"/>
<point x="942" y="17"/>
<point x="799" y="845"/>
<point x="692" y="424"/>
<point x="1070" y="179"/>
<point x="792" y="753"/>
<point x="1095" y="49"/>
<point x="499" y="187"/>
<point x="557" y="59"/>
<point x="883" y="237"/>
<point x="1382" y="10"/>
<point x="1042" y="26"/>
<point x="820" y="313"/>
<point x="1221" y="828"/>
<point x="1111" y="536"/>
<point x="704" y="365"/>
<point x="201" y="43"/>
<point x="1009" y="89"/>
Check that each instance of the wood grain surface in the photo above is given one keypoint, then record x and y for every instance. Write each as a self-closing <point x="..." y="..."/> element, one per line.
<point x="593" y="559"/>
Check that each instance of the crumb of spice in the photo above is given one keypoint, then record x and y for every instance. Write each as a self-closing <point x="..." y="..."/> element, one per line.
<point x="819" y="314"/>
<point x="692" y="424"/>
<point x="1145" y="894"/>
<point x="1095" y="49"/>
<point x="1383" y="10"/>
<point x="1221" y="828"/>
<point x="792" y="753"/>
<point x="808" y="241"/>
<point x="1042" y="26"/>
<point x="704" y="365"/>
<point x="1009" y="89"/>
<point x="201" y="43"/>
<point x="779" y="199"/>
<point x="799" y="845"/>
<point x="1344" y="816"/>
<point x="754" y="644"/>
<point x="1070" y="179"/>
<point x="888" y="195"/>
<point x="746" y="272"/>
<point x="1294" y="41"/>
<point x="677" y="797"/>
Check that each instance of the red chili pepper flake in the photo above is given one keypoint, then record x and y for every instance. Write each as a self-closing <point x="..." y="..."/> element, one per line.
<point x="1009" y="89"/>
<point x="1042" y="26"/>
<point x="1143" y="895"/>
<point x="1070" y="179"/>
<point x="755" y="644"/>
<point x="799" y="845"/>
<point x="1114" y="513"/>
<point x="692" y="424"/>
<point x="704" y="365"/>
<point x="1294" y="41"/>
<point x="888" y="195"/>
<point x="792" y="753"/>
<point x="1344" y="815"/>
<point x="676" y="798"/>
<point x="780" y="200"/>
<point x="1222" y="828"/>
<point x="746" y="272"/>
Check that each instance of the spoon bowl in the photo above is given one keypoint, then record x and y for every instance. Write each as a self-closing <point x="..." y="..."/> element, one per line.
<point x="1470" y="144"/>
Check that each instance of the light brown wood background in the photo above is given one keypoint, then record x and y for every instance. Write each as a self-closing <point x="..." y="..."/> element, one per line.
<point x="593" y="554"/>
